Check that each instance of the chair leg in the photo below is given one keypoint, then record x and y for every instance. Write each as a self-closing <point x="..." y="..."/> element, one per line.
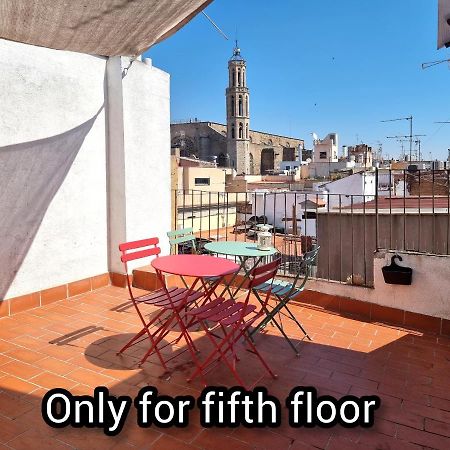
<point x="280" y="328"/>
<point x="297" y="322"/>
<point x="144" y="330"/>
<point x="229" y="341"/>
<point x="263" y="362"/>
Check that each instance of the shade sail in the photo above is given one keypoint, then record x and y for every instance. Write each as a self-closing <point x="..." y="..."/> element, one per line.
<point x="99" y="27"/>
<point x="443" y="26"/>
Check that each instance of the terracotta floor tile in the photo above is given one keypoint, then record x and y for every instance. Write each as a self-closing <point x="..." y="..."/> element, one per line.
<point x="12" y="405"/>
<point x="9" y="429"/>
<point x="50" y="380"/>
<point x="25" y="355"/>
<point x="90" y="377"/>
<point x="216" y="440"/>
<point x="263" y="438"/>
<point x="167" y="442"/>
<point x="428" y="440"/>
<point x="29" y="439"/>
<point x="20" y="369"/>
<point x="441" y="428"/>
<point x="73" y="344"/>
<point x="16" y="385"/>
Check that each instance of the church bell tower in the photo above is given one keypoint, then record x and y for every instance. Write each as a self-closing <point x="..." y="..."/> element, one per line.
<point x="238" y="117"/>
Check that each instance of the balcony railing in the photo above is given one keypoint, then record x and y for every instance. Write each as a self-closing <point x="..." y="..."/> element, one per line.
<point x="404" y="211"/>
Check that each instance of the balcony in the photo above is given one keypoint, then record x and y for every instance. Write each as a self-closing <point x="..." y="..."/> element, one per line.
<point x="72" y="344"/>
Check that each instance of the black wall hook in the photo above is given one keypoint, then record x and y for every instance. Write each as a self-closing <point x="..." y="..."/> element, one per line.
<point x="395" y="274"/>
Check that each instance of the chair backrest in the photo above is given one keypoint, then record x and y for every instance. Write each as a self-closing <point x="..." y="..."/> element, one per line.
<point x="182" y="236"/>
<point x="259" y="275"/>
<point x="134" y="250"/>
<point x="264" y="273"/>
<point x="308" y="261"/>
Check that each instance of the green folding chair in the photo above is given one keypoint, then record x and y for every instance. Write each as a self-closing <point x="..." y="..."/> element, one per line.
<point x="285" y="291"/>
<point x="182" y="236"/>
<point x="186" y="237"/>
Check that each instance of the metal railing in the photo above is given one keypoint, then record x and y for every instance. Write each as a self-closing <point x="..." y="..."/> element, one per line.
<point x="349" y="228"/>
<point x="412" y="209"/>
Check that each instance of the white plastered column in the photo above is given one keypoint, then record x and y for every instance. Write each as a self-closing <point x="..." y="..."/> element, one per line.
<point x="138" y="169"/>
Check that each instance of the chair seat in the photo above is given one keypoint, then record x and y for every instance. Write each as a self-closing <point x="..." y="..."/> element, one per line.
<point x="220" y="310"/>
<point x="278" y="287"/>
<point x="177" y="297"/>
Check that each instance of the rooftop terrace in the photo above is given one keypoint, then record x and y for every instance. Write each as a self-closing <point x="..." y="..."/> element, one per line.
<point x="72" y="343"/>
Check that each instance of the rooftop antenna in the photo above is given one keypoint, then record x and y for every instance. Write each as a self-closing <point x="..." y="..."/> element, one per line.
<point x="427" y="65"/>
<point x="215" y="25"/>
<point x="410" y="118"/>
<point x="403" y="137"/>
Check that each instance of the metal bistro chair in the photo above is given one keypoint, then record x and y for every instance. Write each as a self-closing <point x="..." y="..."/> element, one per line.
<point x="234" y="319"/>
<point x="136" y="250"/>
<point x="285" y="291"/>
<point x="184" y="239"/>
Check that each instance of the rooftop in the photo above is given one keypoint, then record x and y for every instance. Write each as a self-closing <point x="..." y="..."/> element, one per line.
<point x="72" y="344"/>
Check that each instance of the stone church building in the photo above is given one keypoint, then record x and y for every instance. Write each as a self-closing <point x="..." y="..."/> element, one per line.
<point x="234" y="144"/>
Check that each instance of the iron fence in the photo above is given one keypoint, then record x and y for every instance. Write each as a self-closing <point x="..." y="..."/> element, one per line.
<point x="412" y="208"/>
<point x="399" y="211"/>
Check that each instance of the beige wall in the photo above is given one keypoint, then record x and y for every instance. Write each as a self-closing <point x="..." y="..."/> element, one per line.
<point x="216" y="179"/>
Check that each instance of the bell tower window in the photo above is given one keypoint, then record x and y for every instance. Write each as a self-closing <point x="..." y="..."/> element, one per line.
<point x="241" y="130"/>
<point x="240" y="105"/>
<point x="233" y="134"/>
<point x="233" y="106"/>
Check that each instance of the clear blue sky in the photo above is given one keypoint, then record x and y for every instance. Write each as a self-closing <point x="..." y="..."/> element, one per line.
<point x="322" y="66"/>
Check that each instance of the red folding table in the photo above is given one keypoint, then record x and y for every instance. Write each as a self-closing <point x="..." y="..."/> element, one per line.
<point x="200" y="268"/>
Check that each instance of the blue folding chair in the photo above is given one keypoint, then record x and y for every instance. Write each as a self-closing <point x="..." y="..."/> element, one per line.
<point x="284" y="292"/>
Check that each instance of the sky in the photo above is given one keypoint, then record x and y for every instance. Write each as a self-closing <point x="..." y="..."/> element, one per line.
<point x="318" y="66"/>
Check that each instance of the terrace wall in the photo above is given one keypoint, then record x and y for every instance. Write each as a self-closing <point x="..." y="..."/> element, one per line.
<point x="348" y="241"/>
<point x="84" y="163"/>
<point x="428" y="295"/>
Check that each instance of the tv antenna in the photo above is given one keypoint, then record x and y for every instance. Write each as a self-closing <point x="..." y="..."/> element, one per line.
<point x="410" y="118"/>
<point x="406" y="138"/>
<point x="427" y="65"/>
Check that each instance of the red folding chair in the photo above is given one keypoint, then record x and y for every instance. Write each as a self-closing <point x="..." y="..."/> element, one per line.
<point x="165" y="299"/>
<point x="234" y="319"/>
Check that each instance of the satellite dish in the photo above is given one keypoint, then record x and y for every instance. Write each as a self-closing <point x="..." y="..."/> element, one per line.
<point x="315" y="137"/>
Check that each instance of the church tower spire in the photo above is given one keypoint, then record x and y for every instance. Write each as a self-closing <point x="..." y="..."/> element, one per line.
<point x="238" y="113"/>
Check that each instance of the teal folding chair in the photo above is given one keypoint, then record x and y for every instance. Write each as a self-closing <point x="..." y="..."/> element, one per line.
<point x="186" y="237"/>
<point x="284" y="292"/>
<point x="182" y="236"/>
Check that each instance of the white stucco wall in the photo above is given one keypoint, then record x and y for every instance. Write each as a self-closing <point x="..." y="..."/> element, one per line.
<point x="138" y="155"/>
<point x="146" y="105"/>
<point x="84" y="164"/>
<point x="356" y="188"/>
<point x="52" y="168"/>
<point x="428" y="294"/>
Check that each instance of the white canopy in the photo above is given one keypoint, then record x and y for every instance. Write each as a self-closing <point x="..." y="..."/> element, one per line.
<point x="443" y="26"/>
<point x="99" y="27"/>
